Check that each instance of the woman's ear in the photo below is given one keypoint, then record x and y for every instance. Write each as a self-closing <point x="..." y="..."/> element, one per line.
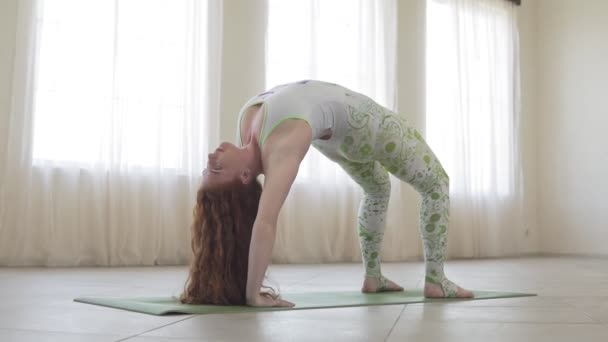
<point x="246" y="176"/>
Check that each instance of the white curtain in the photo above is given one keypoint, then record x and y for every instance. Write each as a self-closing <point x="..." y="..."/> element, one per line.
<point x="352" y="43"/>
<point x="114" y="106"/>
<point x="472" y="121"/>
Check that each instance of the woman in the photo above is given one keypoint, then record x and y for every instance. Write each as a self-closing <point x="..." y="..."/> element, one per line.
<point x="235" y="221"/>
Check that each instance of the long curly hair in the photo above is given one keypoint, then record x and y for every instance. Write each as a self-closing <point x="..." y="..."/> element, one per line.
<point x="221" y="235"/>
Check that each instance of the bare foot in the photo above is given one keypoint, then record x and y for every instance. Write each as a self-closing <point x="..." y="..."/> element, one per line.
<point x="432" y="290"/>
<point x="374" y="284"/>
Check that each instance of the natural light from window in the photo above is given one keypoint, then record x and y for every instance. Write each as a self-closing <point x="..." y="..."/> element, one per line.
<point x="324" y="40"/>
<point x="470" y="101"/>
<point x="112" y="79"/>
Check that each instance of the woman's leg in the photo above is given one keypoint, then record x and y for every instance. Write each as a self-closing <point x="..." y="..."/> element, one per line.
<point x="375" y="182"/>
<point x="407" y="156"/>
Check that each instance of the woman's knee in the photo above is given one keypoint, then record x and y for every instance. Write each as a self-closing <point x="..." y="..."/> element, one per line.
<point x="443" y="177"/>
<point x="379" y="190"/>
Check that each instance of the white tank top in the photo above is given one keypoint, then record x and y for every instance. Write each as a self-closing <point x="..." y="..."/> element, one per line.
<point x="320" y="104"/>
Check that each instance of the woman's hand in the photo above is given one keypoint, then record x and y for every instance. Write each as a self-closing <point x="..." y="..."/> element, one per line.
<point x="266" y="299"/>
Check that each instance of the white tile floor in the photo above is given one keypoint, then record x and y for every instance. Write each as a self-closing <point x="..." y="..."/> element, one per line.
<point x="36" y="305"/>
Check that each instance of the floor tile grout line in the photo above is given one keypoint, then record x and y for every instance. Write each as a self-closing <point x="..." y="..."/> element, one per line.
<point x="584" y="312"/>
<point x="566" y="306"/>
<point x="394" y="324"/>
<point x="162" y="326"/>
<point x="516" y="322"/>
<point x="591" y="317"/>
<point x="86" y="333"/>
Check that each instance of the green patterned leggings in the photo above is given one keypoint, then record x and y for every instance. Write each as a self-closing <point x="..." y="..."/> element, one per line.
<point x="400" y="150"/>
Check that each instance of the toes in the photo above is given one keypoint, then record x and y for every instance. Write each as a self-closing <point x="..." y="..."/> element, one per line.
<point x="373" y="286"/>
<point x="395" y="287"/>
<point x="462" y="293"/>
<point x="435" y="291"/>
<point x="391" y="286"/>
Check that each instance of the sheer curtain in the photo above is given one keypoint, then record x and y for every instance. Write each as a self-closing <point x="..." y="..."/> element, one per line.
<point x="352" y="43"/>
<point x="113" y="110"/>
<point x="472" y="121"/>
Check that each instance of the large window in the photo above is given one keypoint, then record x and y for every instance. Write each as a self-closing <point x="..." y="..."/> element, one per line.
<point x="119" y="82"/>
<point x="472" y="93"/>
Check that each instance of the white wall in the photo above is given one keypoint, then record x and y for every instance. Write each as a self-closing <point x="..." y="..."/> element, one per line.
<point x="243" y="59"/>
<point x="573" y="125"/>
<point x="527" y="18"/>
<point x="411" y="24"/>
<point x="8" y="26"/>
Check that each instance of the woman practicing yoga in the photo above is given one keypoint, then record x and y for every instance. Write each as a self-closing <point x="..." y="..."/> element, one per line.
<point x="235" y="220"/>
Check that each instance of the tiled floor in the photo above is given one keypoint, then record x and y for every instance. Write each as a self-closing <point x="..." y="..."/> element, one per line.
<point x="36" y="305"/>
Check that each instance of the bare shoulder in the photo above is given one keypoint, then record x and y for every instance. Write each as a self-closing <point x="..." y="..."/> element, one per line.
<point x="288" y="143"/>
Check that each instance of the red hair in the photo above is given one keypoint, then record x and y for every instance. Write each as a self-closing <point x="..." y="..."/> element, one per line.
<point x="221" y="235"/>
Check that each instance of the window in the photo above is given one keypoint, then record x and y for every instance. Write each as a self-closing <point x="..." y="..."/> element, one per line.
<point x="350" y="43"/>
<point x="472" y="93"/>
<point x="119" y="82"/>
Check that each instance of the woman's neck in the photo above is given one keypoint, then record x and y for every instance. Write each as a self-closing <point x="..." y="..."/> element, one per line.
<point x="252" y="124"/>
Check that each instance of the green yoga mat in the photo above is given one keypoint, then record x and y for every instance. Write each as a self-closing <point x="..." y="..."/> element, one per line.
<point x="312" y="300"/>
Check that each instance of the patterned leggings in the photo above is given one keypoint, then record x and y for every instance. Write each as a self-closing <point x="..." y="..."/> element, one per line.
<point x="400" y="150"/>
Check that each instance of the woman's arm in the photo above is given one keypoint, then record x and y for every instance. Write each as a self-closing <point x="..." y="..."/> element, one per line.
<point x="279" y="177"/>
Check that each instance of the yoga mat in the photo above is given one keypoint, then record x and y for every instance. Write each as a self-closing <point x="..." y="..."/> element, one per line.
<point x="312" y="300"/>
